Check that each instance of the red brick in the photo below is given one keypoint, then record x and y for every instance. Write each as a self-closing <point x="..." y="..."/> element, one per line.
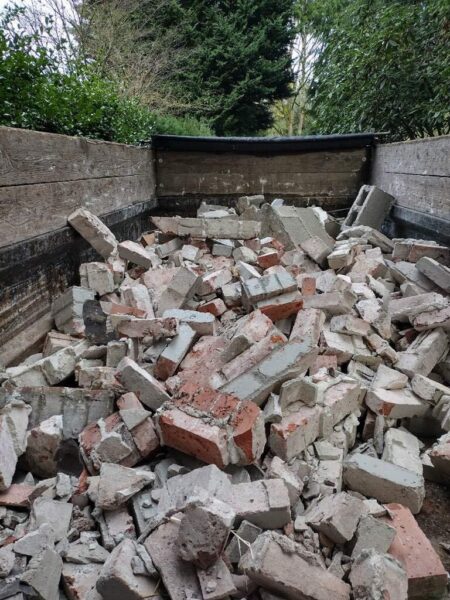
<point x="268" y="259"/>
<point x="129" y="400"/>
<point x="214" y="307"/>
<point x="281" y="307"/>
<point x="248" y="436"/>
<point x="308" y="286"/>
<point x="426" y="574"/>
<point x="16" y="496"/>
<point x="206" y="423"/>
<point x="145" y="437"/>
<point x="192" y="436"/>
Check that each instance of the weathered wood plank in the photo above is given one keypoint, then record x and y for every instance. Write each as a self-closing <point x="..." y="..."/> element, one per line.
<point x="28" y="157"/>
<point x="171" y="162"/>
<point x="430" y="156"/>
<point x="286" y="184"/>
<point x="30" y="210"/>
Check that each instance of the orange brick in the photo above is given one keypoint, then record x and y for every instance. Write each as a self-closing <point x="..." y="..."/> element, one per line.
<point x="427" y="576"/>
<point x="16" y="496"/>
<point x="215" y="307"/>
<point x="268" y="259"/>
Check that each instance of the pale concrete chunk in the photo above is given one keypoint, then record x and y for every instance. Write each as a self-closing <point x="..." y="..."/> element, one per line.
<point x="58" y="514"/>
<point x="43" y="443"/>
<point x="93" y="231"/>
<point x="295" y="432"/>
<point x="336" y="516"/>
<point x="67" y="310"/>
<point x="43" y="574"/>
<point x="36" y="541"/>
<point x="349" y="324"/>
<point x="278" y="469"/>
<point x="117" y="580"/>
<point x="384" y="481"/>
<point x="293" y="226"/>
<point x="149" y="391"/>
<point x="372" y="533"/>
<point x="168" y="248"/>
<point x="432" y="319"/>
<point x="204" y="531"/>
<point x="7" y="560"/>
<point x="308" y="326"/>
<point x="210" y="282"/>
<point x="136" y="254"/>
<point x="216" y="582"/>
<point x="178" y="576"/>
<point x="245" y="534"/>
<point x="201" y="323"/>
<point x="370" y="208"/>
<point x="404" y="308"/>
<point x="333" y="303"/>
<point x="280" y="565"/>
<point x="224" y="227"/>
<point x="138" y="296"/>
<point x="377" y="575"/>
<point x="79" y="581"/>
<point x="117" y="484"/>
<point x="264" y="503"/>
<point x="403" y="449"/>
<point x="413" y="250"/>
<point x="440" y="457"/>
<point x="389" y="379"/>
<point x="8" y="456"/>
<point x="439" y="274"/>
<point x="395" y="404"/>
<point x="424" y="353"/>
<point x="61" y="364"/>
<point x="180" y="289"/>
<point x="97" y="277"/>
<point x="282" y="364"/>
<point x="268" y="286"/>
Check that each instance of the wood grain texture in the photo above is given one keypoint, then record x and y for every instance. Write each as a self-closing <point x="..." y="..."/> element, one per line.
<point x="314" y="174"/>
<point x="30" y="210"/>
<point x="416" y="173"/>
<point x="28" y="157"/>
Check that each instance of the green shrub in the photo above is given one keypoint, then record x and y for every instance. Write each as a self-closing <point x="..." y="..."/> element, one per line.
<point x="36" y="92"/>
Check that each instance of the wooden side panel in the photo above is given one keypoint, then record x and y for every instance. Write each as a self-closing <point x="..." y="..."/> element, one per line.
<point x="30" y="210"/>
<point x="34" y="157"/>
<point x="44" y="177"/>
<point x="295" y="176"/>
<point x="417" y="174"/>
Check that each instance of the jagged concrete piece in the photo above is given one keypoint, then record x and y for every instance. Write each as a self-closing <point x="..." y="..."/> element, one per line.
<point x="384" y="481"/>
<point x="377" y="576"/>
<point x="279" y="565"/>
<point x="179" y="577"/>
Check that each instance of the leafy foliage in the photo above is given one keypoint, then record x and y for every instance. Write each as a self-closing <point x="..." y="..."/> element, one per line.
<point x="238" y="61"/>
<point x="384" y="66"/>
<point x="37" y="92"/>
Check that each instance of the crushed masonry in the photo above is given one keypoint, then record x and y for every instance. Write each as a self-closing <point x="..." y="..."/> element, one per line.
<point x="248" y="403"/>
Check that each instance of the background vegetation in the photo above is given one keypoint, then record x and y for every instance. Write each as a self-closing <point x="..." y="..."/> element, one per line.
<point x="125" y="69"/>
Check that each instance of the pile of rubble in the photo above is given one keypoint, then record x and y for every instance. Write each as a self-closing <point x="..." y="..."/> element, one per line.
<point x="233" y="408"/>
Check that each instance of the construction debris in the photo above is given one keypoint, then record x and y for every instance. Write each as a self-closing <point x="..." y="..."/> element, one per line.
<point x="223" y="407"/>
